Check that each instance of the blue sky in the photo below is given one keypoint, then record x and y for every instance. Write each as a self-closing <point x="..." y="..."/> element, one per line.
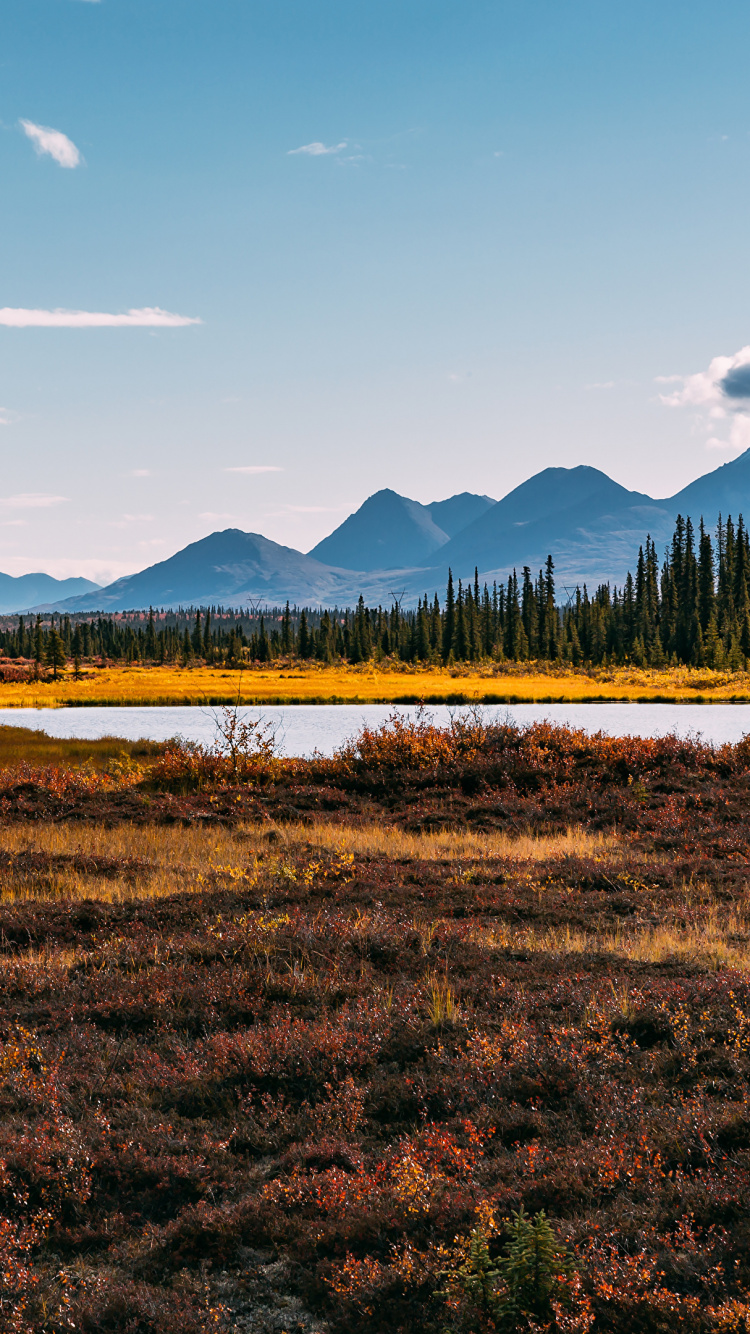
<point x="532" y="215"/>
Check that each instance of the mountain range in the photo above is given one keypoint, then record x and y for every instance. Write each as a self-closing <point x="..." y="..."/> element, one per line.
<point x="27" y="590"/>
<point x="396" y="547"/>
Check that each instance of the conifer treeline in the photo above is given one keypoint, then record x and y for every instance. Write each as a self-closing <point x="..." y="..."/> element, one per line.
<point x="693" y="609"/>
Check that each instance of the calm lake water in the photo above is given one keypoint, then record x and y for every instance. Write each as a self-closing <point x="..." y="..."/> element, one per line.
<point x="302" y="728"/>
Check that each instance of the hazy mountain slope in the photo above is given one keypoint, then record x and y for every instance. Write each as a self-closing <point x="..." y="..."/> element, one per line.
<point x="724" y="491"/>
<point x="27" y="590"/>
<point x="386" y="532"/>
<point x="456" y="512"/>
<point x="547" y="508"/>
<point x="231" y="567"/>
<point x="590" y="524"/>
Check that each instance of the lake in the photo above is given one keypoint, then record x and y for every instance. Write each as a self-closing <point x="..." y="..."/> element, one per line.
<point x="302" y="728"/>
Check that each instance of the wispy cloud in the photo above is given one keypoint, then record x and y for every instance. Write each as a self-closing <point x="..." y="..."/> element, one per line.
<point x="719" y="394"/>
<point x="31" y="500"/>
<point x="317" y="149"/>
<point x="148" y="317"/>
<point x="256" y="467"/>
<point x="53" y="143"/>
<point x="138" y="472"/>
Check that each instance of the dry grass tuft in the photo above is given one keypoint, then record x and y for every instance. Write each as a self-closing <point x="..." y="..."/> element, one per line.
<point x="719" y="941"/>
<point x="446" y="845"/>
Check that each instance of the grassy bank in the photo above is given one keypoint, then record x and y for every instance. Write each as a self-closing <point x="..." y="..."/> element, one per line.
<point x="376" y="684"/>
<point x="34" y="747"/>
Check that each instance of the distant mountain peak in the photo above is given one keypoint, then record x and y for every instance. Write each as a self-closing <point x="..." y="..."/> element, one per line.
<point x="36" y="592"/>
<point x="590" y="524"/>
<point x="388" y="531"/>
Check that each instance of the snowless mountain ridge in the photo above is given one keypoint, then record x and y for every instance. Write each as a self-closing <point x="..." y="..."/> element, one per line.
<point x="396" y="547"/>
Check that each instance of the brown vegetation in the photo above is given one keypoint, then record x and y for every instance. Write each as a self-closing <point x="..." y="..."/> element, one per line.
<point x="288" y="1045"/>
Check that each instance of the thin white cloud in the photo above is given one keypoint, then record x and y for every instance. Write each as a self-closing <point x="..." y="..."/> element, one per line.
<point x="32" y="500"/>
<point x="53" y="143"/>
<point x="255" y="468"/>
<point x="147" y="317"/>
<point x="317" y="149"/>
<point x="719" y="394"/>
<point x="138" y="472"/>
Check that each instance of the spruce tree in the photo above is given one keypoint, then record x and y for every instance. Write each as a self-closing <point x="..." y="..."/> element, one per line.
<point x="38" y="642"/>
<point x="303" y="637"/>
<point x="55" y="651"/>
<point x="550" y="642"/>
<point x="287" y="642"/>
<point x="706" y="575"/>
<point x="264" y="648"/>
<point x="150" y="646"/>
<point x="197" y="636"/>
<point x="460" y="640"/>
<point x="449" y="619"/>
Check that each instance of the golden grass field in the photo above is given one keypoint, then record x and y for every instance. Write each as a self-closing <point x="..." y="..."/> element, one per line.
<point x="156" y="862"/>
<point x="373" y="683"/>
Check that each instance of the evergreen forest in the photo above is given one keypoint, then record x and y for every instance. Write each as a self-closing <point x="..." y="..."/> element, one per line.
<point x="692" y="608"/>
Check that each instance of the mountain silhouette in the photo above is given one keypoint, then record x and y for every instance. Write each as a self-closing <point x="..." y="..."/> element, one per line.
<point x="724" y="491"/>
<point x="228" y="567"/>
<point x="456" y="512"/>
<point x="386" y="532"/>
<point x="27" y="590"/>
<point x="591" y="525"/>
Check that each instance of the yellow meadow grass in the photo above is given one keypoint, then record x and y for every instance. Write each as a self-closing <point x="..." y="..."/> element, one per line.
<point x="375" y="683"/>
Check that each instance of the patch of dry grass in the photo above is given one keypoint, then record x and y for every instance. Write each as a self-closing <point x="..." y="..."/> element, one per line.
<point x="113" y="865"/>
<point x="151" y="861"/>
<point x="375" y="684"/>
<point x="719" y="940"/>
<point x="74" y="862"/>
<point x="446" y="845"/>
<point x="22" y="745"/>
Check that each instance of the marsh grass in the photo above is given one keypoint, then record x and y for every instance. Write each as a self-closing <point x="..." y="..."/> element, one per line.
<point x="21" y="745"/>
<point x="371" y="682"/>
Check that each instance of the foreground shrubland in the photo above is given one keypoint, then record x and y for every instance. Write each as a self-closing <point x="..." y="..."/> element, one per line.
<point x="451" y="1032"/>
